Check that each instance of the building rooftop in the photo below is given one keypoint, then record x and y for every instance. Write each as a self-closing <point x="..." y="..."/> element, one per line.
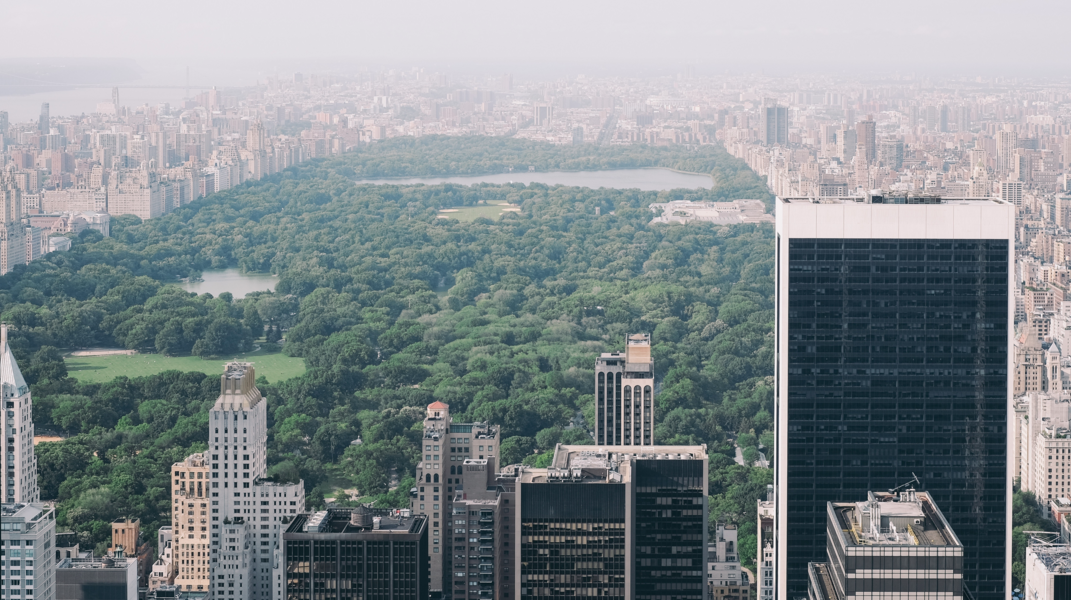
<point x="238" y="390"/>
<point x="821" y="581"/>
<point x="10" y="375"/>
<point x="93" y="562"/>
<point x="604" y="464"/>
<point x="1055" y="557"/>
<point x="907" y="518"/>
<point x="886" y="197"/>
<point x="359" y="520"/>
<point x="24" y="518"/>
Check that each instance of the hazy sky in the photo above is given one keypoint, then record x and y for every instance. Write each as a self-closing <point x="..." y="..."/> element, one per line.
<point x="981" y="35"/>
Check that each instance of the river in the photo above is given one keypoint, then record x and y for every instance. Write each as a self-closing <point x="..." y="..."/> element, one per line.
<point x="650" y="180"/>
<point x="236" y="282"/>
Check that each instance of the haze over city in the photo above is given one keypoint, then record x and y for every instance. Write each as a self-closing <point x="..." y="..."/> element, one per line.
<point x="483" y="300"/>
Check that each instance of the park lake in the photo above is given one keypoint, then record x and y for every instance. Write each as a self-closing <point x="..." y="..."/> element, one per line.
<point x="236" y="282"/>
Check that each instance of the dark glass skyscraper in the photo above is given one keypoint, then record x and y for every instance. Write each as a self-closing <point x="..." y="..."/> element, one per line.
<point x="893" y="331"/>
<point x="623" y="522"/>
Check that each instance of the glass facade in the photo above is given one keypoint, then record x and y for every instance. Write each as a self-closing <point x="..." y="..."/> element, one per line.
<point x="669" y="530"/>
<point x="572" y="540"/>
<point x="897" y="354"/>
<point x="350" y="569"/>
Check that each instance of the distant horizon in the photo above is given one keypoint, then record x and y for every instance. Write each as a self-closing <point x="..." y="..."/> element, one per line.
<point x="983" y="36"/>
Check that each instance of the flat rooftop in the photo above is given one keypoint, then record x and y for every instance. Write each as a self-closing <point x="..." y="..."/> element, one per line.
<point x="821" y="577"/>
<point x="1055" y="557"/>
<point x="886" y="519"/>
<point x="609" y="464"/>
<point x="892" y="198"/>
<point x="27" y="513"/>
<point x="339" y="521"/>
<point x="96" y="563"/>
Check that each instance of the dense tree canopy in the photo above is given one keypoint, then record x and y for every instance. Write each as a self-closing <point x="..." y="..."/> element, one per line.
<point x="392" y="307"/>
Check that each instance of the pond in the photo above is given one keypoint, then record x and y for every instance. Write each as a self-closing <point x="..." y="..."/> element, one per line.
<point x="650" y="180"/>
<point x="236" y="282"/>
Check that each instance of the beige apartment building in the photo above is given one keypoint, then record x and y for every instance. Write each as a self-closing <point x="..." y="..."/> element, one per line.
<point x="189" y="523"/>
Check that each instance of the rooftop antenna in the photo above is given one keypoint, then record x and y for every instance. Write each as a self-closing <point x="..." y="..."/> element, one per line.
<point x="914" y="479"/>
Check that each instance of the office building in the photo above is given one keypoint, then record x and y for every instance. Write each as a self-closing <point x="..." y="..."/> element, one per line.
<point x="893" y="329"/>
<point x="773" y="123"/>
<point x="43" y="121"/>
<point x="245" y="532"/>
<point x="113" y="577"/>
<point x="846" y="144"/>
<point x="447" y="445"/>
<point x="1045" y="447"/>
<point x="725" y="579"/>
<point x="601" y="521"/>
<point x="764" y="562"/>
<point x="891" y="154"/>
<point x="18" y="475"/>
<point x="1007" y="142"/>
<point x="866" y="135"/>
<point x="359" y="554"/>
<point x="893" y="545"/>
<point x="1048" y="569"/>
<point x="1012" y="193"/>
<point x="27" y="534"/>
<point x="481" y="523"/>
<point x="624" y="395"/>
<point x="12" y="231"/>
<point x="190" y="523"/>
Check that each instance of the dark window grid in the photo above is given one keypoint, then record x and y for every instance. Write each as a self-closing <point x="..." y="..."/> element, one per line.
<point x="933" y="299"/>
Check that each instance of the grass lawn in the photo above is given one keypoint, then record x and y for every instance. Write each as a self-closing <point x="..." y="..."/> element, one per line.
<point x="471" y="213"/>
<point x="276" y="366"/>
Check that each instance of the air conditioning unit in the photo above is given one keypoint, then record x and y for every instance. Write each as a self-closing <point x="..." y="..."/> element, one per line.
<point x="918" y="521"/>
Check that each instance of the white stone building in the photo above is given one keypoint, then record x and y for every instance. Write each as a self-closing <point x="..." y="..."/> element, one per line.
<point x="246" y="510"/>
<point x="18" y="465"/>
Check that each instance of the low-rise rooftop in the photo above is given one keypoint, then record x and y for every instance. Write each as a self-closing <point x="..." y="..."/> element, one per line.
<point x="907" y="518"/>
<point x="359" y="520"/>
<point x="605" y="464"/>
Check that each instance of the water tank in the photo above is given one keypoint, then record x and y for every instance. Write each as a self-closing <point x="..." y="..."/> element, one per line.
<point x="361" y="517"/>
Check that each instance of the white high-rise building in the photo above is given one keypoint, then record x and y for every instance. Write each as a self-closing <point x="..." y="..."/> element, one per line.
<point x="12" y="231"/>
<point x="18" y="465"/>
<point x="246" y="510"/>
<point x="29" y="538"/>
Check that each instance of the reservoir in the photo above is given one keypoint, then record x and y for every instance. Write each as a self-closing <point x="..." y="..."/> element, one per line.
<point x="236" y="282"/>
<point x="648" y="180"/>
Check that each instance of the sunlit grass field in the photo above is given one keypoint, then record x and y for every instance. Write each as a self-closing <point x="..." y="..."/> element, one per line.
<point x="471" y="213"/>
<point x="275" y="366"/>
